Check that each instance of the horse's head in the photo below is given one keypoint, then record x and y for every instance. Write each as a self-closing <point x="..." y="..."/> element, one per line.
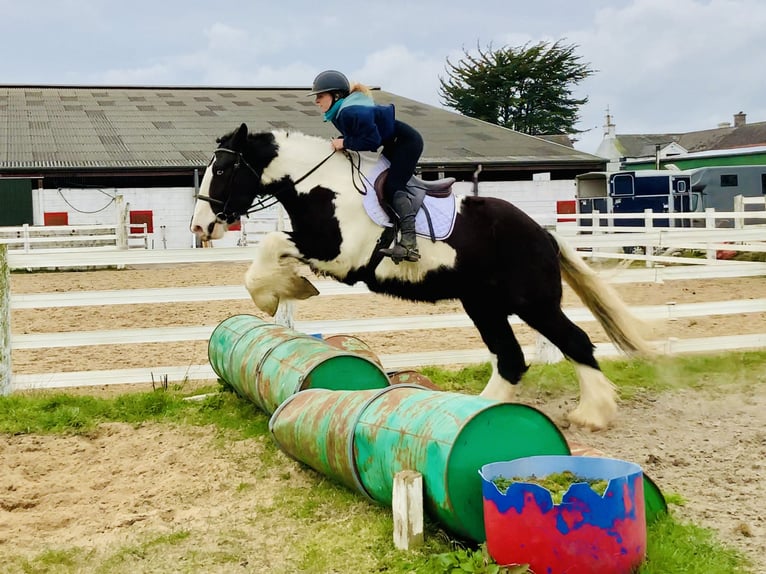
<point x="232" y="181"/>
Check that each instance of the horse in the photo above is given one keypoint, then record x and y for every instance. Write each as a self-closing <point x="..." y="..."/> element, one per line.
<point x="496" y="260"/>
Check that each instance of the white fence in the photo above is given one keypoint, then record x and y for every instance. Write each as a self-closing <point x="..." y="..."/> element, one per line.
<point x="171" y="209"/>
<point x="598" y="244"/>
<point x="28" y="238"/>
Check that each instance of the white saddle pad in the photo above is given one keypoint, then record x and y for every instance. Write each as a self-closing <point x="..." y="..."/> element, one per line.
<point x="443" y="210"/>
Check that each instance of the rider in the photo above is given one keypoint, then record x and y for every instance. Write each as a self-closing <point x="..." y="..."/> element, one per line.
<point x="365" y="126"/>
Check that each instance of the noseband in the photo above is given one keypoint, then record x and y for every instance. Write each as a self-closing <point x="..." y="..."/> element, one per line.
<point x="225" y="214"/>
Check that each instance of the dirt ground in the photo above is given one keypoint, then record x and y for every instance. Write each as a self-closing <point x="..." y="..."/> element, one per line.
<point x="103" y="489"/>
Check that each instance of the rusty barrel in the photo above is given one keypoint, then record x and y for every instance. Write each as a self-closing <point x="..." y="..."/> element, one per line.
<point x="362" y="439"/>
<point x="447" y="437"/>
<point x="316" y="427"/>
<point x="353" y="344"/>
<point x="267" y="363"/>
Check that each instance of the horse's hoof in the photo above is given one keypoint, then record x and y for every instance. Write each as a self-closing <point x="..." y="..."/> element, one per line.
<point x="592" y="422"/>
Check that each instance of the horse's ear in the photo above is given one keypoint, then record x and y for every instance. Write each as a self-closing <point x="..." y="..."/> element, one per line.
<point x="240" y="137"/>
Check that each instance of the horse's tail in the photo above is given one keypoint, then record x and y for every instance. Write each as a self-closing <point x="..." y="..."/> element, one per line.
<point x="621" y="326"/>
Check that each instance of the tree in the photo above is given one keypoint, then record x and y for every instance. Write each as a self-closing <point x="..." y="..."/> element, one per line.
<point x="526" y="88"/>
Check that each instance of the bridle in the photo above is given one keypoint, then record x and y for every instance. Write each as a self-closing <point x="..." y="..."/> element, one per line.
<point x="224" y="214"/>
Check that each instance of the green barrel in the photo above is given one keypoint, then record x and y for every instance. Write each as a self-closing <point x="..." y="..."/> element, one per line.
<point x="353" y="345"/>
<point x="316" y="427"/>
<point x="447" y="437"/>
<point x="224" y="335"/>
<point x="268" y="363"/>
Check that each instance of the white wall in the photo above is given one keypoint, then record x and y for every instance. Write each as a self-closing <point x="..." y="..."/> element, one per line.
<point x="536" y="198"/>
<point x="172" y="208"/>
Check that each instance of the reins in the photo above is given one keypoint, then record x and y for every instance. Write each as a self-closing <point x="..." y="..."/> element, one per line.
<point x="356" y="171"/>
<point x="263" y="202"/>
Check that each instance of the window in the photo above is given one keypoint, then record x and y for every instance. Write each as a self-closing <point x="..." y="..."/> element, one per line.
<point x="622" y="186"/>
<point x="763" y="183"/>
<point x="729" y="180"/>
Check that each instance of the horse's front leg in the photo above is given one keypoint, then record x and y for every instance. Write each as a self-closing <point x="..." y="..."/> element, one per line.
<point x="274" y="274"/>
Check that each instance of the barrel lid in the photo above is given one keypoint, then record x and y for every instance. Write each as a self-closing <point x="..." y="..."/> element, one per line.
<point x="500" y="432"/>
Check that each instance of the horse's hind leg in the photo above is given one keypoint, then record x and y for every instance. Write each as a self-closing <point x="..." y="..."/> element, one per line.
<point x="507" y="359"/>
<point x="598" y="397"/>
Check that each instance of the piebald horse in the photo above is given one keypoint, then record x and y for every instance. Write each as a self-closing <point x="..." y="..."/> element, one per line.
<point x="494" y="258"/>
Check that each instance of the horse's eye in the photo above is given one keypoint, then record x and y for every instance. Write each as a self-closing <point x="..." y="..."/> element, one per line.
<point x="219" y="172"/>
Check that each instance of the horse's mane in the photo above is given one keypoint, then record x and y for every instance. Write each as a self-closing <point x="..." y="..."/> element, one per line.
<point x="300" y="136"/>
<point x="278" y="135"/>
<point x="285" y="152"/>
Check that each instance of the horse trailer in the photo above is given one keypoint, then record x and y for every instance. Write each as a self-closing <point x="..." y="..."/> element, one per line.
<point x="634" y="192"/>
<point x="718" y="186"/>
<point x="666" y="191"/>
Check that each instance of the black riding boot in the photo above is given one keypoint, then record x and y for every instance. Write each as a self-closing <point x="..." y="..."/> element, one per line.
<point x="407" y="248"/>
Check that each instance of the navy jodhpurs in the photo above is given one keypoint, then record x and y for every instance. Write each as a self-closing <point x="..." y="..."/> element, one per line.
<point x="403" y="151"/>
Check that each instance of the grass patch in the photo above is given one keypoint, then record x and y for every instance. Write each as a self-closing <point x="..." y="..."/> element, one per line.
<point x="634" y="378"/>
<point x="685" y="548"/>
<point x="44" y="413"/>
<point x="329" y="528"/>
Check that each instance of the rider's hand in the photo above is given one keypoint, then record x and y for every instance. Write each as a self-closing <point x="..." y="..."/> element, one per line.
<point x="337" y="144"/>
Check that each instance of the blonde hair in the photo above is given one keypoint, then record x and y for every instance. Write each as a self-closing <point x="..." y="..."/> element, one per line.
<point x="357" y="87"/>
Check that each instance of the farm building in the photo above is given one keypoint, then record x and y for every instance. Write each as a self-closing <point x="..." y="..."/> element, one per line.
<point x="66" y="152"/>
<point x="737" y="143"/>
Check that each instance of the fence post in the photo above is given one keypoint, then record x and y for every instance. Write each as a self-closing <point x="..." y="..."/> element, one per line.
<point x="710" y="224"/>
<point x="595" y="230"/>
<point x="25" y="233"/>
<point x="739" y="207"/>
<point x="5" y="322"/>
<point x="122" y="222"/>
<point x="648" y="227"/>
<point x="546" y="352"/>
<point x="285" y="315"/>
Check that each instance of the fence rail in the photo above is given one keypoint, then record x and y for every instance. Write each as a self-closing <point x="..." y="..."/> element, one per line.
<point x="67" y="259"/>
<point x="670" y="311"/>
<point x="54" y="238"/>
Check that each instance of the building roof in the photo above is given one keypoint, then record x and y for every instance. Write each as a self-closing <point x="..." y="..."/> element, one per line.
<point x="643" y="145"/>
<point x="55" y="128"/>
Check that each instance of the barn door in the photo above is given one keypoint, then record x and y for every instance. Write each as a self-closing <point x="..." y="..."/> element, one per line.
<point x="16" y="199"/>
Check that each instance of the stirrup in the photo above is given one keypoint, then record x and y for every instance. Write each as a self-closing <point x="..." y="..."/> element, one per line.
<point x="399" y="253"/>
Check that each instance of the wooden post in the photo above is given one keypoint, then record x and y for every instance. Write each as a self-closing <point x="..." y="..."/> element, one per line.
<point x="5" y="322"/>
<point x="285" y="316"/>
<point x="122" y="222"/>
<point x="648" y="226"/>
<point x="710" y="223"/>
<point x="595" y="230"/>
<point x="407" y="507"/>
<point x="546" y="352"/>
<point x="739" y="207"/>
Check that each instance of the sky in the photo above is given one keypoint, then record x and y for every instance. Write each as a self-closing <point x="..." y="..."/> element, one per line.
<point x="661" y="66"/>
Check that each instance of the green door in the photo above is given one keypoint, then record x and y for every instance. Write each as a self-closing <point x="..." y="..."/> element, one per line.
<point x="16" y="201"/>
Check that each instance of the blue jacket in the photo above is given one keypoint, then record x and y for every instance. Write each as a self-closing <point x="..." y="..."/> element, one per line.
<point x="363" y="124"/>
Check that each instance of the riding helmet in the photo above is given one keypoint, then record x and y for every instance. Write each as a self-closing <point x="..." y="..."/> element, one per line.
<point x="330" y="81"/>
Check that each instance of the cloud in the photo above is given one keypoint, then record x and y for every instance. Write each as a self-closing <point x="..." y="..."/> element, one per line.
<point x="662" y="66"/>
<point x="674" y="66"/>
<point x="396" y="69"/>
